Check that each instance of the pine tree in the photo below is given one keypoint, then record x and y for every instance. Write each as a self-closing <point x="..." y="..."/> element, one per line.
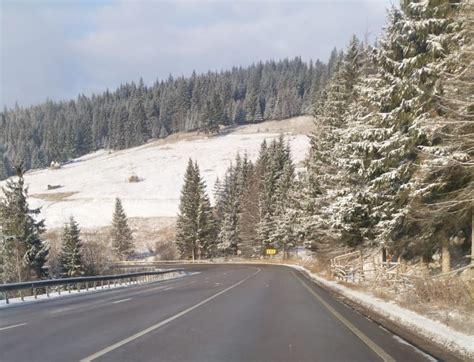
<point x="205" y="231"/>
<point x="195" y="224"/>
<point x="71" y="254"/>
<point x="440" y="212"/>
<point x="326" y="175"/>
<point x="122" y="237"/>
<point x="23" y="252"/>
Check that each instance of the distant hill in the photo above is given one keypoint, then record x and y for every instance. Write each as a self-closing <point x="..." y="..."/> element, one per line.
<point x="135" y="113"/>
<point x="87" y="186"/>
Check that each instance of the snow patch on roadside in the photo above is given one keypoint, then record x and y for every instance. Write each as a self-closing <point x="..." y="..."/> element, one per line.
<point x="438" y="332"/>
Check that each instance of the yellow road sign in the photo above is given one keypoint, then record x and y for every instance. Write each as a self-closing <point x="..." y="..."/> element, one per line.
<point x="270" y="251"/>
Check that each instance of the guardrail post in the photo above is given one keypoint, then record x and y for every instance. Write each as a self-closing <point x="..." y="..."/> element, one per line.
<point x="6" y="298"/>
<point x="47" y="291"/>
<point x="78" y="287"/>
<point x="69" y="288"/>
<point x="87" y="286"/>
<point x="108" y="284"/>
<point x="34" y="293"/>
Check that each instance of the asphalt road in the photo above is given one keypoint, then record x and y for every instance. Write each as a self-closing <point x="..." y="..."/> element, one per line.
<point x="222" y="313"/>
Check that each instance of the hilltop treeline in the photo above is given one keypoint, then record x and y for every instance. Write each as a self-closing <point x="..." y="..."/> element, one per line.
<point x="391" y="158"/>
<point x="135" y="113"/>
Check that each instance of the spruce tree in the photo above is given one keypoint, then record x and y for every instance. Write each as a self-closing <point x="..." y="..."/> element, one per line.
<point x="440" y="212"/>
<point x="122" y="237"/>
<point x="195" y="225"/>
<point x="71" y="250"/>
<point x="205" y="231"/>
<point x="186" y="223"/>
<point x="23" y="252"/>
<point x="326" y="175"/>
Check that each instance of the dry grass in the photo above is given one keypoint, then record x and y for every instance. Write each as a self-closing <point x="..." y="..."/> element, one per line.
<point x="133" y="179"/>
<point x="297" y="125"/>
<point x="56" y="196"/>
<point x="147" y="232"/>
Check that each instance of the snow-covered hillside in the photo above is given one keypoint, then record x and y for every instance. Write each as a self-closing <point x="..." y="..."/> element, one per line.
<point x="90" y="184"/>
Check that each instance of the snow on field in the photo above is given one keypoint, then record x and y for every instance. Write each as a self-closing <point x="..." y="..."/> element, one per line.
<point x="90" y="184"/>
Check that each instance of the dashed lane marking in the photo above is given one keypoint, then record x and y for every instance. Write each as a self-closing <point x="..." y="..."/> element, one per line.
<point x="122" y="300"/>
<point x="164" y="322"/>
<point x="13" y="326"/>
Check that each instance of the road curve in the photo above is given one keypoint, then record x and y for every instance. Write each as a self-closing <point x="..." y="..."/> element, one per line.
<point x="222" y="313"/>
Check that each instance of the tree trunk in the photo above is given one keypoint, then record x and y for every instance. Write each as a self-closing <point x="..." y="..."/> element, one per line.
<point x="445" y="256"/>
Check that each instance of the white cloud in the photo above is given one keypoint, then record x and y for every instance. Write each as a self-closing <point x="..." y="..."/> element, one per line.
<point x="60" y="50"/>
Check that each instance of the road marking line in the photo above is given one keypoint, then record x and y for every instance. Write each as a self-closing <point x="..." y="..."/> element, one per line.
<point x="14" y="326"/>
<point x="153" y="289"/>
<point x="121" y="301"/>
<point x="379" y="351"/>
<point x="162" y="323"/>
<point x="168" y="288"/>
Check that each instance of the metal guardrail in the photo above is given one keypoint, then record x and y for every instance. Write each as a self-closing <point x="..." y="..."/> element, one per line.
<point x="84" y="282"/>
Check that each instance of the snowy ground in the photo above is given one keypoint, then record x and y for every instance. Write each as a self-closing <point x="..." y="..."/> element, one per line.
<point x="436" y="331"/>
<point x="90" y="184"/>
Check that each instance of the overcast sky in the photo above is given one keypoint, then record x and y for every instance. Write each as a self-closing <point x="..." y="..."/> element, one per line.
<point x="59" y="48"/>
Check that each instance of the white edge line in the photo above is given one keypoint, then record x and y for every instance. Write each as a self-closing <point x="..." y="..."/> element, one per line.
<point x="121" y="300"/>
<point x="357" y="332"/>
<point x="162" y="323"/>
<point x="14" y="326"/>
